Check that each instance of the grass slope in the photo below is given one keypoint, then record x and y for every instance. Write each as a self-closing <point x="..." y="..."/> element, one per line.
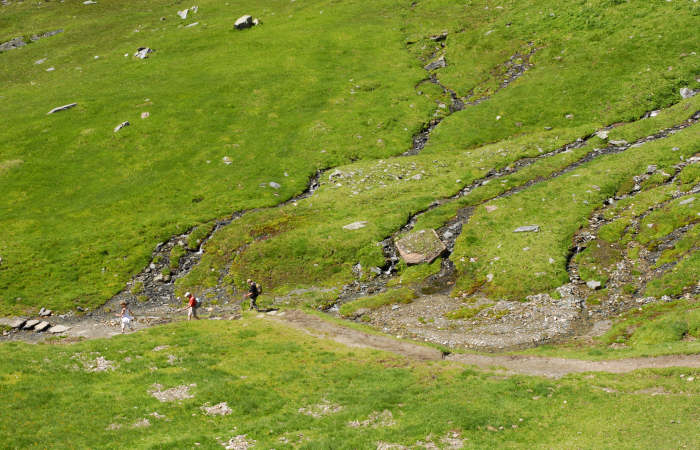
<point x="83" y="207"/>
<point x="255" y="368"/>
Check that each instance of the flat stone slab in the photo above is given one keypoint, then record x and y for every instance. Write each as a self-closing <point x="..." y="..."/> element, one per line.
<point x="42" y="326"/>
<point x="19" y="323"/>
<point x="30" y="324"/>
<point x="58" y="329"/>
<point x="355" y="225"/>
<point x="421" y="246"/>
<point x="527" y="229"/>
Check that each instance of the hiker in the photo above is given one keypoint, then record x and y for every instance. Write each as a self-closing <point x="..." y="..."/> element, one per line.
<point x="192" y="305"/>
<point x="126" y="316"/>
<point x="253" y="293"/>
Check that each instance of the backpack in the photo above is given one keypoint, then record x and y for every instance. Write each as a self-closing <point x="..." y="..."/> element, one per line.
<point x="198" y="302"/>
<point x="258" y="288"/>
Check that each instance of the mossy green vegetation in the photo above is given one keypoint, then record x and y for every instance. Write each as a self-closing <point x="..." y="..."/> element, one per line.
<point x="270" y="375"/>
<point x="389" y="297"/>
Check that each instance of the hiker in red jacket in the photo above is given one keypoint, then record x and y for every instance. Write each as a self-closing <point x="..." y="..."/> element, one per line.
<point x="192" y="305"/>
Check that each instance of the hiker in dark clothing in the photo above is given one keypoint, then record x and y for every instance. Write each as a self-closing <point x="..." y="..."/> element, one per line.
<point x="253" y="292"/>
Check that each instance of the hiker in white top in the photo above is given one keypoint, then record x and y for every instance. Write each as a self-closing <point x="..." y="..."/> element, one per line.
<point x="126" y="316"/>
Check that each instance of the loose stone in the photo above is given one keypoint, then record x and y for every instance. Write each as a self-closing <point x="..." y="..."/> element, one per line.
<point x="527" y="229"/>
<point x="62" y="108"/>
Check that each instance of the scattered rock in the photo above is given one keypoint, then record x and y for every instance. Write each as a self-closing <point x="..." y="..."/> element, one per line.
<point x="40" y="61"/>
<point x="239" y="442"/>
<point x="227" y="160"/>
<point x="89" y="2"/>
<point x="322" y="409"/>
<point x="491" y="208"/>
<point x="145" y="114"/>
<point x="143" y="52"/>
<point x="12" y="44"/>
<point x="375" y="420"/>
<point x="183" y="14"/>
<point x="18" y="324"/>
<point x="244" y="22"/>
<point x="143" y="423"/>
<point x="651" y="169"/>
<point x="58" y="329"/>
<point x="527" y="229"/>
<point x="176" y="393"/>
<point x="121" y="125"/>
<point x="160" y="347"/>
<point x="603" y="134"/>
<point x="593" y="284"/>
<point x="437" y="64"/>
<point x="222" y="409"/>
<point x="274" y="185"/>
<point x="618" y="143"/>
<point x="193" y="24"/>
<point x="421" y="246"/>
<point x="687" y="92"/>
<point x="42" y="326"/>
<point x="355" y="225"/>
<point x="687" y="201"/>
<point x="62" y="108"/>
<point x="30" y="324"/>
<point x="45" y="312"/>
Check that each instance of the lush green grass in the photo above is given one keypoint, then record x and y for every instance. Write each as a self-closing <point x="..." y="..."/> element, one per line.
<point x="392" y="296"/>
<point x="266" y="373"/>
<point x="83" y="207"/>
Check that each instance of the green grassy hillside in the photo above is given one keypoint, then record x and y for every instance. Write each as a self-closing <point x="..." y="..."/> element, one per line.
<point x="318" y="85"/>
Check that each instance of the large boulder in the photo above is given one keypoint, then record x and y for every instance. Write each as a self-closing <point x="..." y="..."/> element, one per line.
<point x="421" y="246"/>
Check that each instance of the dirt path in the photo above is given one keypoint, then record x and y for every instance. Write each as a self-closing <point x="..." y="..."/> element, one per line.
<point x="513" y="364"/>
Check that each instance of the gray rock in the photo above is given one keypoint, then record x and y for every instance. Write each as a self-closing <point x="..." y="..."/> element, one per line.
<point x="58" y="329"/>
<point x="618" y="143"/>
<point x="19" y="323"/>
<point x="36" y="37"/>
<point x="45" y="312"/>
<point x="12" y="44"/>
<point x="256" y="22"/>
<point x="417" y="177"/>
<point x="183" y="14"/>
<point x="687" y="92"/>
<point x="41" y="326"/>
<point x="193" y="24"/>
<point x="30" y="324"/>
<point x="686" y="201"/>
<point x="603" y="134"/>
<point x="243" y="22"/>
<point x="355" y="225"/>
<point x="527" y="229"/>
<point x="651" y="169"/>
<point x="89" y="2"/>
<point x="143" y="52"/>
<point x="274" y="185"/>
<point x="593" y="284"/>
<point x="437" y="64"/>
<point x="40" y="61"/>
<point x="62" y="108"/>
<point x="421" y="246"/>
<point x="121" y="125"/>
<point x="376" y="270"/>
